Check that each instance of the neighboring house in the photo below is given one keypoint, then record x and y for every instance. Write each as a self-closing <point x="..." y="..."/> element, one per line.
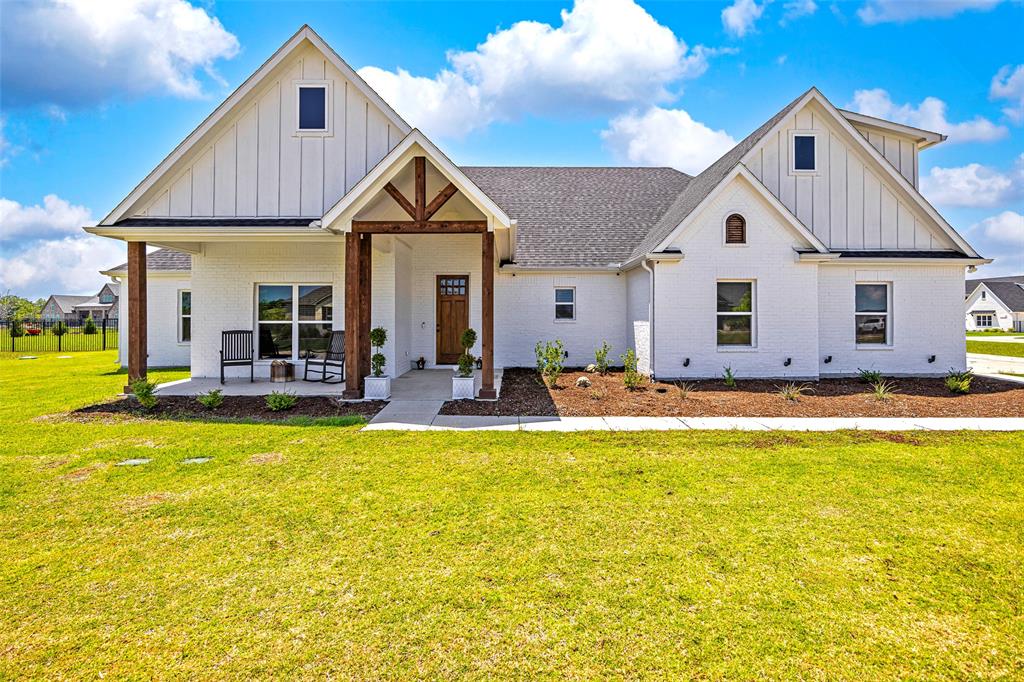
<point x="76" y="309"/>
<point x="169" y="309"/>
<point x="61" y="307"/>
<point x="995" y="303"/>
<point x="806" y="250"/>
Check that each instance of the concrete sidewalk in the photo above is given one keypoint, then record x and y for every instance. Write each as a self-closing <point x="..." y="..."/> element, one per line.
<point x="420" y="421"/>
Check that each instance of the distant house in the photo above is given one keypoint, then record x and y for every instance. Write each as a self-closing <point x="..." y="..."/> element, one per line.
<point x="76" y="309"/>
<point x="995" y="303"/>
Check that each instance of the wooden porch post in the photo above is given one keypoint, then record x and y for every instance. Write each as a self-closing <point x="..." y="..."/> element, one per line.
<point x="353" y="389"/>
<point x="365" y="283"/>
<point x="487" y="316"/>
<point x="137" y="344"/>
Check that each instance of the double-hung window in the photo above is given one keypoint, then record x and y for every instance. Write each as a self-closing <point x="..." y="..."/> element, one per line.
<point x="873" y="314"/>
<point x="293" y="320"/>
<point x="983" y="320"/>
<point x="565" y="303"/>
<point x="735" y="323"/>
<point x="184" y="317"/>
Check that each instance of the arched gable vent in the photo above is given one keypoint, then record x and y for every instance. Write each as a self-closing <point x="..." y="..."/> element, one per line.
<point x="735" y="229"/>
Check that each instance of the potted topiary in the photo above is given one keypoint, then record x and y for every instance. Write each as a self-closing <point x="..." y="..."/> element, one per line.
<point x="378" y="384"/>
<point x="464" y="382"/>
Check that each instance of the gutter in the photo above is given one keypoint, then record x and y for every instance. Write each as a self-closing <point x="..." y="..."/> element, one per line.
<point x="650" y="313"/>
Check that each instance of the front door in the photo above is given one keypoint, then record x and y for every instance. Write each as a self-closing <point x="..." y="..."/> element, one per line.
<point x="452" y="316"/>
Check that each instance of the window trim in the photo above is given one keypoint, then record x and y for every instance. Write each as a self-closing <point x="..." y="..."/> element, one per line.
<point x="737" y="347"/>
<point x="182" y="316"/>
<point x="989" y="316"/>
<point x="328" y="87"/>
<point x="725" y="230"/>
<point x="888" y="316"/>
<point x="554" y="310"/>
<point x="294" y="322"/>
<point x="793" y="170"/>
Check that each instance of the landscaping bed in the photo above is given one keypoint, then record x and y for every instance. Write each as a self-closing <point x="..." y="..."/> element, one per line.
<point x="236" y="408"/>
<point x="522" y="393"/>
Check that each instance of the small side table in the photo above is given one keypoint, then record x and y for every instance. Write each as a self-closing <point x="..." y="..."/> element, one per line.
<point x="281" y="371"/>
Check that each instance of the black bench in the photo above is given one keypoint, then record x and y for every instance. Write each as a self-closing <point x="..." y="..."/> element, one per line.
<point x="236" y="351"/>
<point x="333" y="359"/>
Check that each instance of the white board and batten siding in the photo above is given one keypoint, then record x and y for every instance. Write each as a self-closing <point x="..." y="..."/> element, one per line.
<point x="849" y="202"/>
<point x="255" y="164"/>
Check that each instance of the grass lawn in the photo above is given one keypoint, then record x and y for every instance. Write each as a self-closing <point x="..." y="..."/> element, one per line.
<point x="996" y="348"/>
<point x="999" y="333"/>
<point x="316" y="551"/>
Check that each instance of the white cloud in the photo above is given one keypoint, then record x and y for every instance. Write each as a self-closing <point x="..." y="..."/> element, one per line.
<point x="973" y="185"/>
<point x="930" y="114"/>
<point x="606" y="55"/>
<point x="1007" y="227"/>
<point x="666" y="137"/>
<point x="54" y="218"/>
<point x="91" y="51"/>
<point x="59" y="266"/>
<point x="795" y="9"/>
<point x="883" y="11"/>
<point x="1008" y="84"/>
<point x="739" y="17"/>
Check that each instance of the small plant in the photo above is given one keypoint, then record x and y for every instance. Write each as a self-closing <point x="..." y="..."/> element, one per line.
<point x="793" y="391"/>
<point x="467" y="341"/>
<point x="685" y="389"/>
<point x="869" y="376"/>
<point x="17" y="329"/>
<point x="630" y="377"/>
<point x="598" y="392"/>
<point x="59" y="329"/>
<point x="601" y="358"/>
<point x="959" y="382"/>
<point x="212" y="399"/>
<point x="549" y="360"/>
<point x="278" y="401"/>
<point x="729" y="377"/>
<point x="883" y="390"/>
<point x="90" y="327"/>
<point x="145" y="392"/>
<point x="378" y="337"/>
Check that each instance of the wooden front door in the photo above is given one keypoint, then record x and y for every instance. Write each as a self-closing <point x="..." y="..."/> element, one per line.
<point x="452" y="316"/>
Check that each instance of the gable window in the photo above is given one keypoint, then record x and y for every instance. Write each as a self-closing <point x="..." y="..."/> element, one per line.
<point x="735" y="229"/>
<point x="293" y="320"/>
<point x="735" y="316"/>
<point x="872" y="314"/>
<point x="184" y="316"/>
<point x="565" y="303"/>
<point x="313" y="110"/>
<point x="983" y="295"/>
<point x="983" y="320"/>
<point x="106" y="297"/>
<point x="803" y="152"/>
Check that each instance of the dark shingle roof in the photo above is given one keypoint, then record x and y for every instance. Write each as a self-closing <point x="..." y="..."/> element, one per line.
<point x="579" y="217"/>
<point x="972" y="284"/>
<point x="162" y="260"/>
<point x="1009" y="290"/>
<point x="67" y="302"/>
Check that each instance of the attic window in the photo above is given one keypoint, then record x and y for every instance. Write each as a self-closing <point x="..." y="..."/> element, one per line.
<point x="312" y="104"/>
<point x="735" y="229"/>
<point x="803" y="148"/>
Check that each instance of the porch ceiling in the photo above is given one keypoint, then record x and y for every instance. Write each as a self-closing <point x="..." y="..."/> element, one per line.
<point x="382" y="206"/>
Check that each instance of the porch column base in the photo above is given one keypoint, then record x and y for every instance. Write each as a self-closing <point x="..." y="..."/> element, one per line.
<point x="351" y="394"/>
<point x="487" y="394"/>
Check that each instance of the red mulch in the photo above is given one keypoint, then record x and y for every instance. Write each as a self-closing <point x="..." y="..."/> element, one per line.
<point x="234" y="407"/>
<point x="522" y="393"/>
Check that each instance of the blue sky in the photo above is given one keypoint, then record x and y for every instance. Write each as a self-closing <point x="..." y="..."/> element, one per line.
<point x="94" y="102"/>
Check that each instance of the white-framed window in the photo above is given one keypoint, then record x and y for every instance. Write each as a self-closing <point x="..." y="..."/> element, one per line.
<point x="313" y="107"/>
<point x="983" y="320"/>
<point x="735" y="324"/>
<point x="293" y="320"/>
<point x="565" y="303"/>
<point x="184" y="316"/>
<point x="735" y="230"/>
<point x="983" y="294"/>
<point x="803" y="152"/>
<point x="873" y="314"/>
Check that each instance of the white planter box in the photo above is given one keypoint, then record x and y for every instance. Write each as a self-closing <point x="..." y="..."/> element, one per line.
<point x="463" y="388"/>
<point x="377" y="388"/>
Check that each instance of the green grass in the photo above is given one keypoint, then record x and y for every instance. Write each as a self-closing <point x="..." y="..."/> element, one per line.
<point x="318" y="551"/>
<point x="994" y="333"/>
<point x="1015" y="350"/>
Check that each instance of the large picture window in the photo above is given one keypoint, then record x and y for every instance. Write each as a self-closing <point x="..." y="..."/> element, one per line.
<point x="873" y="315"/>
<point x="293" y="320"/>
<point x="983" y="320"/>
<point x="184" y="316"/>
<point x="735" y="324"/>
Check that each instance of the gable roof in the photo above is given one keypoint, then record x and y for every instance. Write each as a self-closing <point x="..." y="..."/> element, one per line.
<point x="972" y="284"/>
<point x="66" y="302"/>
<point x="304" y="34"/>
<point x="161" y="260"/>
<point x="1010" y="293"/>
<point x="579" y="217"/>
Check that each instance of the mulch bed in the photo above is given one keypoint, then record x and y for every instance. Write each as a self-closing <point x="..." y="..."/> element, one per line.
<point x="522" y="393"/>
<point x="234" y="407"/>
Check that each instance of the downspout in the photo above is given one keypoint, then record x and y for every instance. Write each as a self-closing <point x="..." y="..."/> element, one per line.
<point x="650" y="312"/>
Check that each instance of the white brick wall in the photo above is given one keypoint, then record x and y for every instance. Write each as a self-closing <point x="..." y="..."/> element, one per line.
<point x="161" y="320"/>
<point x="638" y="333"/>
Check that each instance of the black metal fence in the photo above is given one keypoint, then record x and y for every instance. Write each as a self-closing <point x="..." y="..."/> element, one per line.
<point x="42" y="335"/>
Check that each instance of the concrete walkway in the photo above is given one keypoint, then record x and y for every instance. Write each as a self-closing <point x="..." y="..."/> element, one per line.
<point x="995" y="364"/>
<point x="403" y="418"/>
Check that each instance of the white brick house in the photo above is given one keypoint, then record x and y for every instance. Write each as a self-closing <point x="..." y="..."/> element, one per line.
<point x="807" y="250"/>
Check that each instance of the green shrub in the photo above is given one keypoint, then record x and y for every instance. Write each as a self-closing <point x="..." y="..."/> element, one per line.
<point x="793" y="391"/>
<point x="883" y="390"/>
<point x="467" y="340"/>
<point x="959" y="382"/>
<point x="59" y="329"/>
<point x="212" y="399"/>
<point x="17" y="329"/>
<point x="378" y="337"/>
<point x="630" y="377"/>
<point x="145" y="392"/>
<point x="549" y="360"/>
<point x="869" y="376"/>
<point x="281" y="400"/>
<point x="729" y="377"/>
<point x="601" y="357"/>
<point x="90" y="327"/>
